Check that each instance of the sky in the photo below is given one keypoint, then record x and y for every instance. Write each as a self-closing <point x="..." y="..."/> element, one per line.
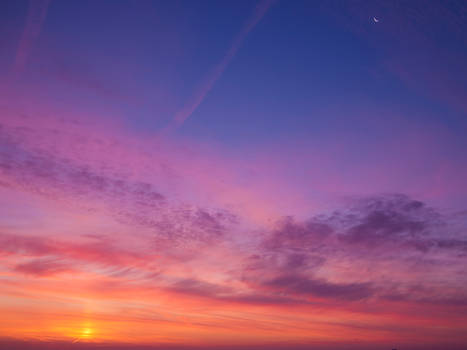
<point x="233" y="174"/>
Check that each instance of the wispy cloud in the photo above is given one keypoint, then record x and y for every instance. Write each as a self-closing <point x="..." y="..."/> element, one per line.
<point x="36" y="15"/>
<point x="42" y="267"/>
<point x="200" y="93"/>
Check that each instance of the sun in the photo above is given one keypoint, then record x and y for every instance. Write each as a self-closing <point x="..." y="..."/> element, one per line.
<point x="86" y="333"/>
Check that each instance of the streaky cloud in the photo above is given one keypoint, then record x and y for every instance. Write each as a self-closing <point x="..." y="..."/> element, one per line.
<point x="37" y="12"/>
<point x="200" y="93"/>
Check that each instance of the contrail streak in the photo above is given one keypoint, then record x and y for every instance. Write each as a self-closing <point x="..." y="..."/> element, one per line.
<point x="37" y="12"/>
<point x="217" y="71"/>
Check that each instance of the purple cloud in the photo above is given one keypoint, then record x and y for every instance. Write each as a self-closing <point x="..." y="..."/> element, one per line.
<point x="371" y="232"/>
<point x="394" y="218"/>
<point x="130" y="202"/>
<point x="303" y="285"/>
<point x="43" y="267"/>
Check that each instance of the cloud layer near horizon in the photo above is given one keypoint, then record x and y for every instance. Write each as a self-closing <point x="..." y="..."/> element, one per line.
<point x="121" y="243"/>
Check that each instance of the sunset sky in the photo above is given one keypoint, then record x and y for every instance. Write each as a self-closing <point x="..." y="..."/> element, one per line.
<point x="233" y="174"/>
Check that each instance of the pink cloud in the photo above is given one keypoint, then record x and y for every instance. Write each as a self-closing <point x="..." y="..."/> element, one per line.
<point x="182" y="223"/>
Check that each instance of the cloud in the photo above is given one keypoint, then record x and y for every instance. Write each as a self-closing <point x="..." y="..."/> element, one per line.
<point x="296" y="258"/>
<point x="293" y="267"/>
<point x="53" y="253"/>
<point x="197" y="287"/>
<point x="129" y="201"/>
<point x="24" y="245"/>
<point x="374" y="222"/>
<point x="389" y="219"/>
<point x="32" y="169"/>
<point x="302" y="285"/>
<point x="358" y="257"/>
<point x="218" y="70"/>
<point x="226" y="294"/>
<point x="37" y="12"/>
<point x="289" y="233"/>
<point x="455" y="244"/>
<point x="42" y="267"/>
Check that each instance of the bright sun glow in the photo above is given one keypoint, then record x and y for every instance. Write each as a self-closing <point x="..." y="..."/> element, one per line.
<point x="86" y="333"/>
